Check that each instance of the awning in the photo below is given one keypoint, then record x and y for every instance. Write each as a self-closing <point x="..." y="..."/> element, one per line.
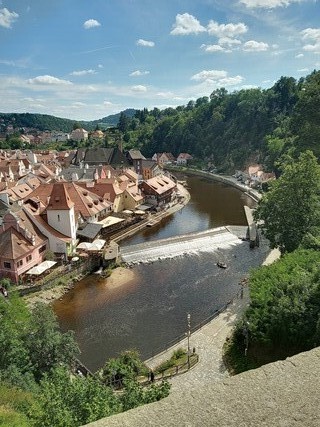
<point x="39" y="269"/>
<point x="96" y="245"/>
<point x="144" y="207"/>
<point x="84" y="245"/>
<point x="110" y="220"/>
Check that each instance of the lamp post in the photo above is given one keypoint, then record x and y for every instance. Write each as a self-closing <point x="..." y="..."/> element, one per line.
<point x="188" y="336"/>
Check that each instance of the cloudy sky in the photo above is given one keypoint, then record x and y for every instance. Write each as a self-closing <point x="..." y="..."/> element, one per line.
<point x="84" y="60"/>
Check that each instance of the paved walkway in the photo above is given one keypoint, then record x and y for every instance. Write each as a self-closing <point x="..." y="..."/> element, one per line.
<point x="208" y="342"/>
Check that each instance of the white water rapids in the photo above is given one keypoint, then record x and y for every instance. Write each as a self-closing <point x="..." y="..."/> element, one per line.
<point x="205" y="241"/>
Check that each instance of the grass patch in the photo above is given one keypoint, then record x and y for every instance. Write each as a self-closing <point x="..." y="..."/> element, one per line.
<point x="176" y="361"/>
<point x="14" y="405"/>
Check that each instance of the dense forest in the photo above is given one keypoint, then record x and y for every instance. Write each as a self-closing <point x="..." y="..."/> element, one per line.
<point x="233" y="128"/>
<point x="43" y="122"/>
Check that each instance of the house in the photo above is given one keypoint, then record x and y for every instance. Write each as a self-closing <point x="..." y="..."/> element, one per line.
<point x="163" y="158"/>
<point x="96" y="134"/>
<point x="79" y="135"/>
<point x="59" y="209"/>
<point x="258" y="176"/>
<point x="159" y="190"/>
<point x="100" y="156"/>
<point x="183" y="158"/>
<point x="150" y="169"/>
<point x="136" y="158"/>
<point x="22" y="245"/>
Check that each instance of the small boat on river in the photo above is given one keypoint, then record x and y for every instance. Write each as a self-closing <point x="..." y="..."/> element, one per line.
<point x="222" y="264"/>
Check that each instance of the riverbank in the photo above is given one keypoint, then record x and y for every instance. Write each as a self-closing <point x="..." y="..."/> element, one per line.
<point x="226" y="179"/>
<point x="120" y="275"/>
<point x="208" y="343"/>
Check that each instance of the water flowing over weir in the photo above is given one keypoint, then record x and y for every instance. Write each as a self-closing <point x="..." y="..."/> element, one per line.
<point x="165" y="283"/>
<point x="205" y="241"/>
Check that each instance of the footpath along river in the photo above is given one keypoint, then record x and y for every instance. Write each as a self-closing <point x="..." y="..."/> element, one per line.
<point x="147" y="307"/>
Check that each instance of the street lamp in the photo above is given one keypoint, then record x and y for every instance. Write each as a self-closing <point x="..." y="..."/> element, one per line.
<point x="188" y="336"/>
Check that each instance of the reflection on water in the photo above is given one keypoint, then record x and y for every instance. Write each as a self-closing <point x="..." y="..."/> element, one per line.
<point x="151" y="310"/>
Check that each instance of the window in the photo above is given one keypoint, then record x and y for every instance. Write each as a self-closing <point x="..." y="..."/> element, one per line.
<point x="29" y="258"/>
<point x="20" y="263"/>
<point x="58" y="217"/>
<point x="42" y="249"/>
<point x="7" y="265"/>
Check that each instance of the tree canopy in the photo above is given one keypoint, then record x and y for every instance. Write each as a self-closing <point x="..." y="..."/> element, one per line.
<point x="291" y="208"/>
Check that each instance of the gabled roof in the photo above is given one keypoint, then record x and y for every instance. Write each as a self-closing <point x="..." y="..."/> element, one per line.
<point x="14" y="242"/>
<point x="86" y="203"/>
<point x="60" y="198"/>
<point x="101" y="155"/>
<point x="136" y="155"/>
<point x="160" y="184"/>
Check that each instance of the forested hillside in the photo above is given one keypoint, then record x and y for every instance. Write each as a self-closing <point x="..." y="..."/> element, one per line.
<point x="44" y="122"/>
<point x="234" y="128"/>
<point x="41" y="122"/>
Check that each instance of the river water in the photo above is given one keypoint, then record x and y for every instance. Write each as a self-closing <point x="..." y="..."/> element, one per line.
<point x="150" y="310"/>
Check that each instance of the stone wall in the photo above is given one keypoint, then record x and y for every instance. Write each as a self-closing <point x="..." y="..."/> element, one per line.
<point x="281" y="394"/>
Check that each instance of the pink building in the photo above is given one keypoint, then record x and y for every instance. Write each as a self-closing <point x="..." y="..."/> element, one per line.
<point x="22" y="246"/>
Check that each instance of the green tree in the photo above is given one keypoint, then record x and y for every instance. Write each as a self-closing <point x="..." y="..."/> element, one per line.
<point x="306" y="117"/>
<point x="125" y="367"/>
<point x="285" y="303"/>
<point x="65" y="401"/>
<point x="290" y="209"/>
<point x="47" y="346"/>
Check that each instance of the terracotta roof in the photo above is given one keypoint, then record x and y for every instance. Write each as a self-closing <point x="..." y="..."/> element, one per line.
<point x="160" y="184"/>
<point x="14" y="242"/>
<point x="86" y="202"/>
<point x="59" y="198"/>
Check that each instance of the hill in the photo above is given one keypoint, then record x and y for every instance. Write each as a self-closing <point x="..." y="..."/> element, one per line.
<point x="43" y="122"/>
<point x="113" y="119"/>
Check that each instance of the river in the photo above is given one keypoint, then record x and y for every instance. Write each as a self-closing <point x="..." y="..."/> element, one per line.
<point x="150" y="310"/>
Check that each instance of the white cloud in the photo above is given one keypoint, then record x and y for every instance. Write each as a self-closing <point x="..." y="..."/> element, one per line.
<point x="168" y="94"/>
<point x="145" y="43"/>
<point x="91" y="23"/>
<point x="7" y="18"/>
<point x="209" y="74"/>
<point x="79" y="104"/>
<point x="254" y="46"/>
<point x="139" y="73"/>
<point x="82" y="72"/>
<point x="303" y="70"/>
<point x="226" y="30"/>
<point x="213" y="48"/>
<point x="228" y="41"/>
<point x="267" y="4"/>
<point x="186" y="24"/>
<point x="300" y="55"/>
<point x="48" y="80"/>
<point x="138" y="88"/>
<point x="100" y="66"/>
<point x="217" y="78"/>
<point x="313" y="35"/>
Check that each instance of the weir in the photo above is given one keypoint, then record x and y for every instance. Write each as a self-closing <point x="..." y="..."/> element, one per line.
<point x="205" y="241"/>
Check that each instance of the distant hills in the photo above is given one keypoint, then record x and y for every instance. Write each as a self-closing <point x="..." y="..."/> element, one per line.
<point x="113" y="119"/>
<point x="44" y="122"/>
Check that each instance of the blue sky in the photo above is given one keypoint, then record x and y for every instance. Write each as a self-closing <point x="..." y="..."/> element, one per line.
<point x="84" y="60"/>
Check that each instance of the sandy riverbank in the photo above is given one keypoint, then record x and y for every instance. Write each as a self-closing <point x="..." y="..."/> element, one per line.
<point x="120" y="276"/>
